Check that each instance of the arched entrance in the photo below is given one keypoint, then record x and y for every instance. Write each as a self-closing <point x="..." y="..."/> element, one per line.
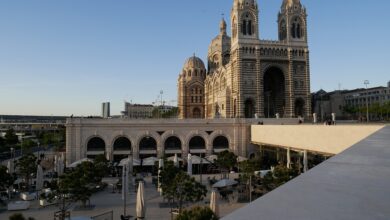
<point x="172" y="146"/>
<point x="122" y="148"/>
<point x="95" y="146"/>
<point x="197" y="145"/>
<point x="274" y="92"/>
<point x="249" y="108"/>
<point x="299" y="107"/>
<point x="148" y="147"/>
<point x="196" y="113"/>
<point x="220" y="143"/>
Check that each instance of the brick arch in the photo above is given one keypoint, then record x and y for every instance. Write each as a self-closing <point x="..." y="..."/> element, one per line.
<point x="148" y="134"/>
<point x="217" y="133"/>
<point x="114" y="138"/>
<point x="193" y="133"/>
<point x="169" y="134"/>
<point x="94" y="136"/>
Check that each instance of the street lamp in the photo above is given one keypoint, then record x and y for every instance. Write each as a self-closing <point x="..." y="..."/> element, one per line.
<point x="366" y="82"/>
<point x="268" y="94"/>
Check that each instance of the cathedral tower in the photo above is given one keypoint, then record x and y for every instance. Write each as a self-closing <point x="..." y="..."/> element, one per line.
<point x="292" y="21"/>
<point x="245" y="62"/>
<point x="191" y="89"/>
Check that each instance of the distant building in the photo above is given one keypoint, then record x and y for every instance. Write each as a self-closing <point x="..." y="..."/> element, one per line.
<point x="106" y="110"/>
<point x="138" y="111"/>
<point x="325" y="103"/>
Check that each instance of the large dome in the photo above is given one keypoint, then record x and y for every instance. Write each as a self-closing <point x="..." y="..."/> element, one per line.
<point x="194" y="63"/>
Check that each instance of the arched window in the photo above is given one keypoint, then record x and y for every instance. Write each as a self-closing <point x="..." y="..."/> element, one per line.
<point x="247" y="27"/>
<point x="296" y="28"/>
<point x="122" y="143"/>
<point x="96" y="144"/>
<point x="221" y="142"/>
<point x="196" y="113"/>
<point x="148" y="143"/>
<point x="173" y="143"/>
<point x="197" y="142"/>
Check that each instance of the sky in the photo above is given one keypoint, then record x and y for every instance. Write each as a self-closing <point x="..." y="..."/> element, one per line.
<point x="66" y="57"/>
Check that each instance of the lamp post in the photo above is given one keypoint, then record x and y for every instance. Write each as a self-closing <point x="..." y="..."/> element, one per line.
<point x="366" y="82"/>
<point x="268" y="93"/>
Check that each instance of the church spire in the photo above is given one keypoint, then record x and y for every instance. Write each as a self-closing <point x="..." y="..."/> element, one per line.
<point x="222" y="26"/>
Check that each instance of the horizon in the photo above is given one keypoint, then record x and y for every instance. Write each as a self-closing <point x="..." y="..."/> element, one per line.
<point x="64" y="58"/>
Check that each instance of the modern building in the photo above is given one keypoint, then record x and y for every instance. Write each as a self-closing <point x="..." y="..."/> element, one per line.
<point x="325" y="103"/>
<point x="247" y="76"/>
<point x="137" y="111"/>
<point x="105" y="110"/>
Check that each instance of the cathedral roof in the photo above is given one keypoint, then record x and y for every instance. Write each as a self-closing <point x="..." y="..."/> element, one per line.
<point x="194" y="62"/>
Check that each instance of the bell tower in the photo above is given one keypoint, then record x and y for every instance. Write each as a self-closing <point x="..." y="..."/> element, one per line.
<point x="244" y="20"/>
<point x="244" y="58"/>
<point x="292" y="20"/>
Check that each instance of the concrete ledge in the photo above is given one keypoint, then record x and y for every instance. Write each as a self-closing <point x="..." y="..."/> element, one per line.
<point x="317" y="138"/>
<point x="351" y="185"/>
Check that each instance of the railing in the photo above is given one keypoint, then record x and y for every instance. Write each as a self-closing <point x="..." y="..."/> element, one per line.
<point x="105" y="216"/>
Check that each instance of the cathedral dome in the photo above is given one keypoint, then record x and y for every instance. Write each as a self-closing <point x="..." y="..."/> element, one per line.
<point x="194" y="62"/>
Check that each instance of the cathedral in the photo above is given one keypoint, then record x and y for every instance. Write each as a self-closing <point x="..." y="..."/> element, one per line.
<point x="247" y="77"/>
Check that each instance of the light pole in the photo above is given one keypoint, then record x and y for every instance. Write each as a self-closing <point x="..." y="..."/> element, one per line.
<point x="268" y="95"/>
<point x="366" y="82"/>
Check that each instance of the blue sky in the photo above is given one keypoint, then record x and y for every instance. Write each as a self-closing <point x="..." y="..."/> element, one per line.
<point x="65" y="57"/>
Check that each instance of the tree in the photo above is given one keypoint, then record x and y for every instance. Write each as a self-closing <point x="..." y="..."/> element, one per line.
<point x="11" y="138"/>
<point x="76" y="185"/>
<point x="197" y="213"/>
<point x="278" y="177"/>
<point x="2" y="145"/>
<point x="226" y="160"/>
<point x="178" y="186"/>
<point x="101" y="166"/>
<point x="6" y="179"/>
<point x="84" y="179"/>
<point x="27" y="145"/>
<point x="18" y="216"/>
<point x="27" y="165"/>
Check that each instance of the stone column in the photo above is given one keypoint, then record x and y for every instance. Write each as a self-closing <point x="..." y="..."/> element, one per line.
<point x="305" y="165"/>
<point x="160" y="149"/>
<point x="209" y="148"/>
<point x="288" y="159"/>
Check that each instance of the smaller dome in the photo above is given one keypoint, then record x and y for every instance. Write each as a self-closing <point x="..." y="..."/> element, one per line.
<point x="194" y="62"/>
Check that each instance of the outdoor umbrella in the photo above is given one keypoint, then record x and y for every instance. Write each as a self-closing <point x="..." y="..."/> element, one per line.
<point x="160" y="167"/>
<point x="125" y="161"/>
<point x="60" y="166"/>
<point x="75" y="164"/>
<point x="56" y="163"/>
<point x="125" y="186"/>
<point x="140" y="206"/>
<point x="176" y="161"/>
<point x="241" y="159"/>
<point x="211" y="158"/>
<point x="10" y="166"/>
<point x="172" y="158"/>
<point x="224" y="183"/>
<point x="189" y="165"/>
<point x="39" y="179"/>
<point x="214" y="203"/>
<point x="198" y="160"/>
<point x="150" y="161"/>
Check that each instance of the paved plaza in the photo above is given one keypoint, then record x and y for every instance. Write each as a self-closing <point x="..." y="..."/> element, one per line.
<point x="106" y="201"/>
